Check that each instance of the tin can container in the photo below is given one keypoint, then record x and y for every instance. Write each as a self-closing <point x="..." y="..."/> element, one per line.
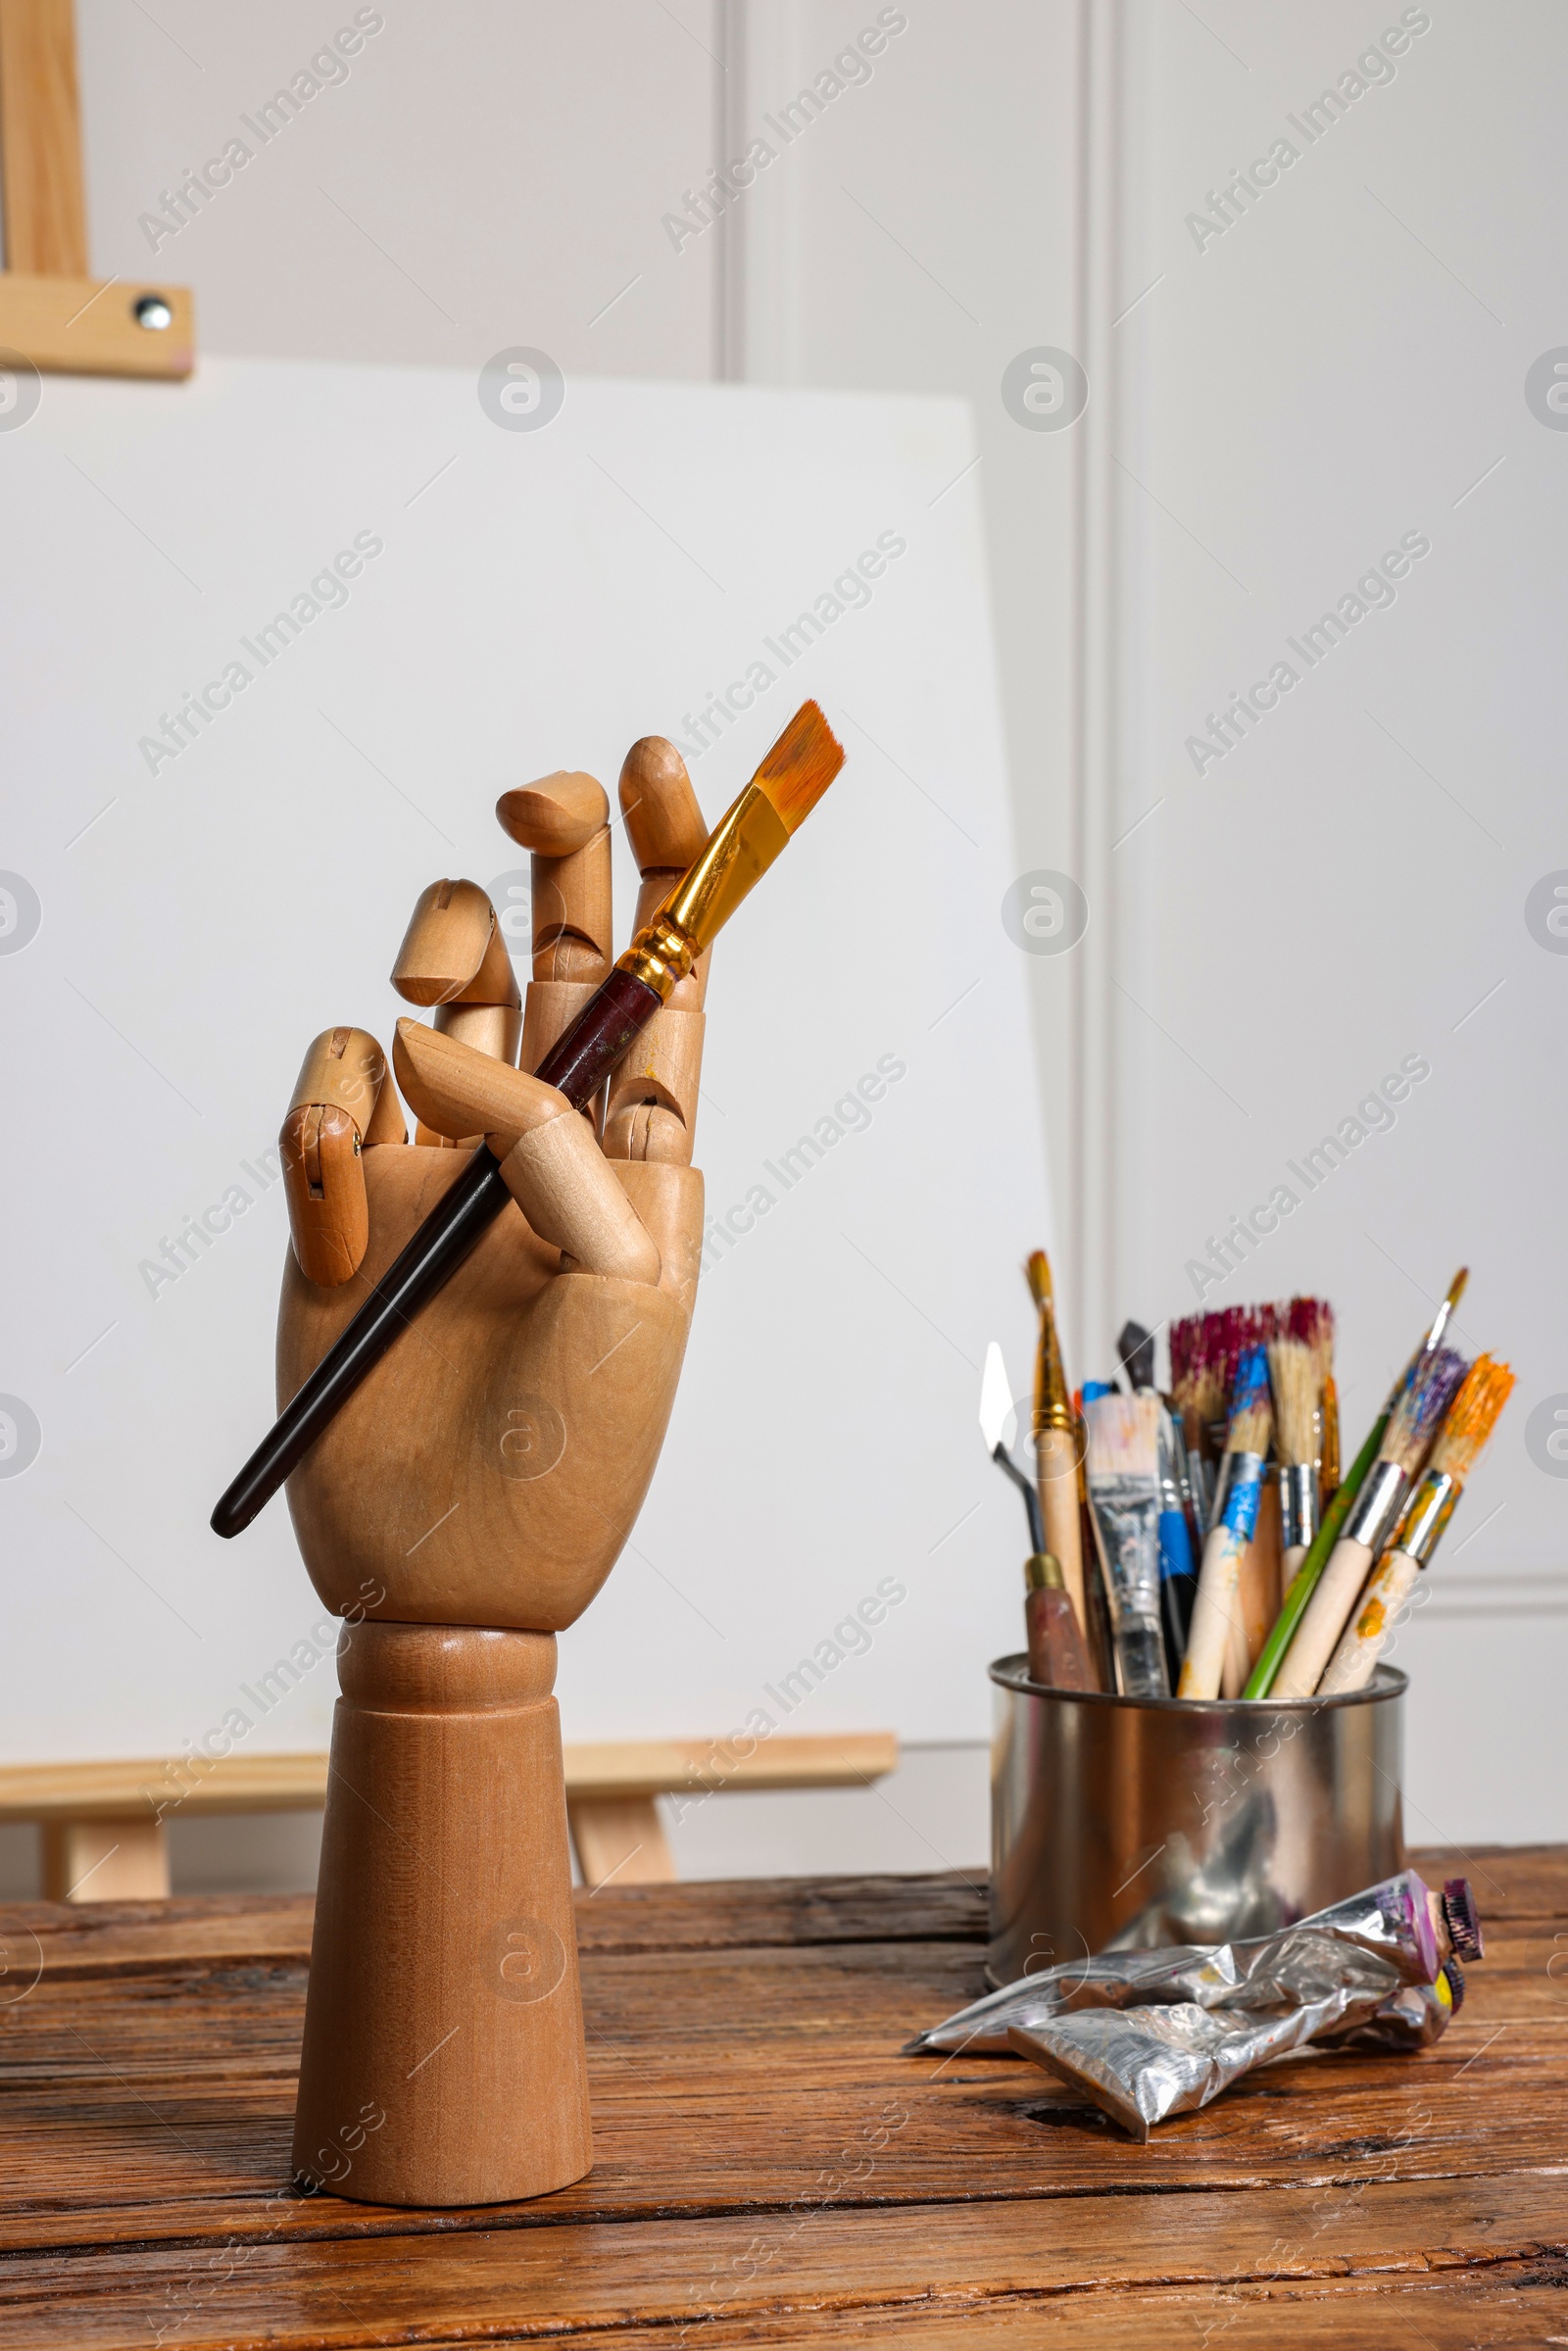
<point x="1127" y="1824"/>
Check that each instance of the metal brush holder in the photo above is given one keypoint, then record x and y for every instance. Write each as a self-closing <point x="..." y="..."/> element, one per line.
<point x="1129" y="1823"/>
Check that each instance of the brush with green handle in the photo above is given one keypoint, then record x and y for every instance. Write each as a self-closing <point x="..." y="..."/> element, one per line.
<point x="1305" y="1581"/>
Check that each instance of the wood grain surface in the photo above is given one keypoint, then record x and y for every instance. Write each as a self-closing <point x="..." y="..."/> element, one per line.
<point x="768" y="2168"/>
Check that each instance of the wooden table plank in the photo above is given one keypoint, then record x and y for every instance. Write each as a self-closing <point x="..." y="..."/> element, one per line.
<point x="535" y="2281"/>
<point x="192" y="2130"/>
<point x="747" y="2085"/>
<point x="1507" y="2305"/>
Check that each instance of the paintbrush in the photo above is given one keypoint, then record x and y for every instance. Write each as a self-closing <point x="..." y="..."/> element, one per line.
<point x="1178" y="1572"/>
<point x="1246" y="1443"/>
<point x="1096" y="1575"/>
<point x="752" y="834"/>
<point x="1336" y="1511"/>
<point x="1058" y="1452"/>
<point x="1321" y="1340"/>
<point x="1472" y="1417"/>
<point x="1293" y="1375"/>
<point x="1058" y="1658"/>
<point x="1413" y="1424"/>
<point x="1258" y="1583"/>
<point x="1204" y="1352"/>
<point x="1257" y="1589"/>
<point x="1123" y="1465"/>
<point x="1197" y="1395"/>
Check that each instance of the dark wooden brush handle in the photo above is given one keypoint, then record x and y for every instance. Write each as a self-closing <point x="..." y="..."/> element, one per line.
<point x="1058" y="1658"/>
<point x="578" y="1064"/>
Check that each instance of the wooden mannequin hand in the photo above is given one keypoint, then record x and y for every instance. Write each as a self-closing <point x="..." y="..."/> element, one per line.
<point x="490" y="1468"/>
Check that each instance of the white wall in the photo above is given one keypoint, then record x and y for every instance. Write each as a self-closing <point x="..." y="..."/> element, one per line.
<point x="1348" y="886"/>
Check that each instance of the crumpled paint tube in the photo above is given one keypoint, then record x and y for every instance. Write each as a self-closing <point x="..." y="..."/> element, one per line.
<point x="1149" y="2033"/>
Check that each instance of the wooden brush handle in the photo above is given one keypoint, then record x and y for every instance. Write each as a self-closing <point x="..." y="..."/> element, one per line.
<point x="1057" y="1657"/>
<point x="1318" y="1633"/>
<point x="578" y="1064"/>
<point x="1366" y="1635"/>
<point x="1204" y="1666"/>
<point x="1057" y="1475"/>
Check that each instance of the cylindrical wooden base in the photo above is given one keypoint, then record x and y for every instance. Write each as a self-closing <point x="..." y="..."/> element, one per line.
<point x="443" y="2059"/>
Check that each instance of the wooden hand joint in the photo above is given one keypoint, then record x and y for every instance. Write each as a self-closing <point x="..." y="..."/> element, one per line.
<point x="342" y="1107"/>
<point x="553" y="1166"/>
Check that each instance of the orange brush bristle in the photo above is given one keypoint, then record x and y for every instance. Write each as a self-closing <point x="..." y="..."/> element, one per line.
<point x="800" y="766"/>
<point x="1472" y="1417"/>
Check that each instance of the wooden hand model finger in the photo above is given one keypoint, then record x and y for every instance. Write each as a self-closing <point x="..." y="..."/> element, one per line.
<point x="553" y="1168"/>
<point x="651" y="1109"/>
<point x="563" y="821"/>
<point x="341" y="1107"/>
<point x="454" y="955"/>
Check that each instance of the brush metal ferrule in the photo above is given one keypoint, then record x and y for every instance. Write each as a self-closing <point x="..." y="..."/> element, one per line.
<point x="743" y="845"/>
<point x="1188" y="1483"/>
<point x="1052" y="1404"/>
<point x="1299" y="1502"/>
<point x="1376" y="1507"/>
<point x="1233" y="1468"/>
<point x="739" y="851"/>
<point x="1426" y="1513"/>
<point x="1043" y="1571"/>
<point x="1235" y="1507"/>
<point x="659" y="955"/>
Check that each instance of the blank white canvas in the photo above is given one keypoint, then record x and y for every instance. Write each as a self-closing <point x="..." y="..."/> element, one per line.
<point x="540" y="599"/>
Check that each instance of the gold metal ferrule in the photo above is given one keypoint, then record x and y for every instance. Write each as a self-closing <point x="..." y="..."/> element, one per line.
<point x="739" y="851"/>
<point x="1052" y="1404"/>
<point x="1043" y="1571"/>
<point x="659" y="955"/>
<point x="744" y="844"/>
<point x="1426" y="1514"/>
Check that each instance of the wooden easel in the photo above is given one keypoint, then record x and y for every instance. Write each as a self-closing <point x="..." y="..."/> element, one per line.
<point x="51" y="311"/>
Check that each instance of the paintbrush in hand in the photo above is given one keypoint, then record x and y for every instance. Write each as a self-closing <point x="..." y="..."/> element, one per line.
<point x="1472" y="1417"/>
<point x="752" y="834"/>
<point x="1408" y="1439"/>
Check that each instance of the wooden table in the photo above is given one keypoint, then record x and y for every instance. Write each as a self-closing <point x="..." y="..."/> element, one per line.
<point x="770" y="2167"/>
